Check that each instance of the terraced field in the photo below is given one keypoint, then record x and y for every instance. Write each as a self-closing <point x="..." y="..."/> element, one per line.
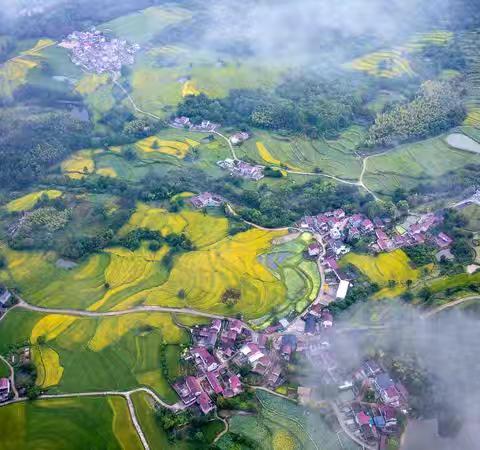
<point x="383" y="268"/>
<point x="469" y="43"/>
<point x="118" y="278"/>
<point x="299" y="275"/>
<point x="14" y="72"/>
<point x="408" y="165"/>
<point x="28" y="201"/>
<point x="74" y="354"/>
<point x="395" y="62"/>
<point x="333" y="157"/>
<point x="69" y="424"/>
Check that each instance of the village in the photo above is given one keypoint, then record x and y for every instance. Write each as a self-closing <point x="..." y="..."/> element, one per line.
<point x="96" y="53"/>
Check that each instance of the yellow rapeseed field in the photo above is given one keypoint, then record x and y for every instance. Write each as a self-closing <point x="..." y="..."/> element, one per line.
<point x="230" y="263"/>
<point x="266" y="155"/>
<point x="189" y="88"/>
<point x="107" y="172"/>
<point x="202" y="229"/>
<point x="283" y="440"/>
<point x="47" y="363"/>
<point x="50" y="327"/>
<point x="28" y="201"/>
<point x="154" y="144"/>
<point x="76" y="165"/>
<point x="383" y="268"/>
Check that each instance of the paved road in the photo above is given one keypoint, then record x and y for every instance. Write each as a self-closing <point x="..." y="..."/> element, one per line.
<point x="347" y="431"/>
<point x="137" y="309"/>
<point x="450" y="305"/>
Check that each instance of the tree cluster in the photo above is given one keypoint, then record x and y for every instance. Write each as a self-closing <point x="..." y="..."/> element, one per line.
<point x="437" y="108"/>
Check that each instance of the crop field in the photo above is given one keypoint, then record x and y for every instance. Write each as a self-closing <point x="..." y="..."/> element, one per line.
<point x="383" y="268"/>
<point x="4" y="370"/>
<point x="79" y="354"/>
<point x="334" y="157"/>
<point x="28" y="201"/>
<point x="40" y="281"/>
<point x="283" y="425"/>
<point x="79" y="164"/>
<point x="142" y="26"/>
<point x="408" y="165"/>
<point x="207" y="273"/>
<point x="202" y="229"/>
<point x="14" y="72"/>
<point x="69" y="424"/>
<point x="395" y="62"/>
<point x="299" y="275"/>
<point x="455" y="281"/>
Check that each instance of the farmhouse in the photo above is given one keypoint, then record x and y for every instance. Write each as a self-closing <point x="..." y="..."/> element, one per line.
<point x="314" y="249"/>
<point x="5" y="297"/>
<point x="206" y="199"/>
<point x="204" y="358"/>
<point x="238" y="138"/>
<point x="342" y="289"/>
<point x="443" y="240"/>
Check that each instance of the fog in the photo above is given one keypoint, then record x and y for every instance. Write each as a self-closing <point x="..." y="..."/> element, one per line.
<point x="289" y="28"/>
<point x="445" y="345"/>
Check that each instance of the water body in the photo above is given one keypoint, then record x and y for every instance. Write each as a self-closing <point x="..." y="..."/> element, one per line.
<point x="462" y="142"/>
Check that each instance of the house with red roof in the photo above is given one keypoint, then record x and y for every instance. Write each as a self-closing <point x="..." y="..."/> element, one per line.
<point x="235" y="384"/>
<point x="205" y="358"/>
<point x="205" y="403"/>
<point x="443" y="240"/>
<point x="212" y="378"/>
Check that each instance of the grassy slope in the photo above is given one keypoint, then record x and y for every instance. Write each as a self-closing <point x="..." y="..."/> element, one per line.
<point x="68" y="424"/>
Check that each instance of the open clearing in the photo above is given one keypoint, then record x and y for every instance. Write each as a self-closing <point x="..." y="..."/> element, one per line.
<point x="28" y="201"/>
<point x="462" y="142"/>
<point x="68" y="424"/>
<point x="81" y="354"/>
<point x="383" y="268"/>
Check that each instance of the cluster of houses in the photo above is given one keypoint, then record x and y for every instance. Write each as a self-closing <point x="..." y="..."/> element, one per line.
<point x="204" y="127"/>
<point x="219" y="350"/>
<point x="239" y="138"/>
<point x="376" y="419"/>
<point x="338" y="230"/>
<point x="242" y="169"/>
<point x="96" y="53"/>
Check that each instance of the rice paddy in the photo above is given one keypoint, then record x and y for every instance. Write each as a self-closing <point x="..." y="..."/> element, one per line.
<point x="96" y="354"/>
<point x="408" y="165"/>
<point x="69" y="424"/>
<point x="393" y="266"/>
<point x="395" y="62"/>
<point x="333" y="157"/>
<point x="27" y="202"/>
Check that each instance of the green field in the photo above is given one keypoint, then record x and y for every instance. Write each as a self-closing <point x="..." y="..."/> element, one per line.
<point x="94" y="354"/>
<point x="299" y="275"/>
<point x="283" y="425"/>
<point x="411" y="164"/>
<point x="4" y="370"/>
<point x="462" y="280"/>
<point x="333" y="157"/>
<point x="68" y="424"/>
